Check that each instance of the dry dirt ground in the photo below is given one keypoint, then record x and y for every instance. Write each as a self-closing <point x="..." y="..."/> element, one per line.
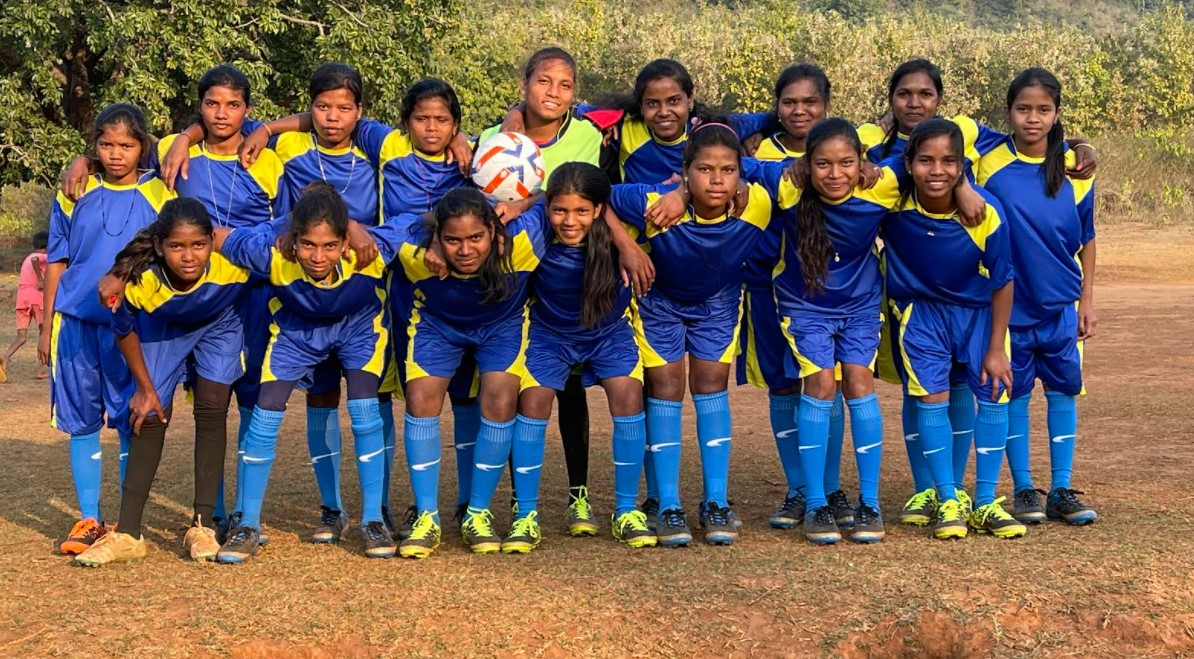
<point x="1121" y="587"/>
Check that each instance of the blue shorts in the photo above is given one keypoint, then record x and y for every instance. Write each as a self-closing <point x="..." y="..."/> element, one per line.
<point x="465" y="383"/>
<point x="1050" y="351"/>
<point x="708" y="330"/>
<point x="764" y="359"/>
<point x="610" y="352"/>
<point x="438" y="349"/>
<point x="212" y="351"/>
<point x="314" y="353"/>
<point x="822" y="342"/>
<point x="253" y="310"/>
<point x="941" y="343"/>
<point x="88" y="377"/>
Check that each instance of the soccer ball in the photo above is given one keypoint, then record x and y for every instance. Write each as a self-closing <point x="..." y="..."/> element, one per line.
<point x="508" y="167"/>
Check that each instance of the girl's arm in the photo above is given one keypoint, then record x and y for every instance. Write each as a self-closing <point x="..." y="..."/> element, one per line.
<point x="508" y="211"/>
<point x="996" y="366"/>
<point x="39" y="269"/>
<point x="257" y="141"/>
<point x="177" y="159"/>
<point x="1087" y="318"/>
<point x="637" y="269"/>
<point x="53" y="274"/>
<point x="145" y="400"/>
<point x="972" y="206"/>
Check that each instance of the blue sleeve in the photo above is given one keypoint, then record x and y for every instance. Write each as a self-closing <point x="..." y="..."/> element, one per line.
<point x="584" y="108"/>
<point x="629" y="203"/>
<point x="766" y="173"/>
<point x="391" y="236"/>
<point x="58" y="247"/>
<point x="250" y="248"/>
<point x="997" y="257"/>
<point x="987" y="139"/>
<point x="534" y="223"/>
<point x="124" y="319"/>
<point x="370" y="136"/>
<point x="749" y="124"/>
<point x="251" y="125"/>
<point x="1086" y="212"/>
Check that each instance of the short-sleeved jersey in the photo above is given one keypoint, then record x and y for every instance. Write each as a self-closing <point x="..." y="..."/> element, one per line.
<point x="413" y="181"/>
<point x="458" y="299"/>
<point x="349" y="291"/>
<point x="234" y="197"/>
<point x="558" y="287"/>
<point x="977" y="140"/>
<point x="89" y="233"/>
<point x="696" y="258"/>
<point x="935" y="257"/>
<point x="1047" y="233"/>
<point x="646" y="159"/>
<point x="152" y="303"/>
<point x="772" y="150"/>
<point x="576" y="140"/>
<point x="854" y="284"/>
<point x="352" y="171"/>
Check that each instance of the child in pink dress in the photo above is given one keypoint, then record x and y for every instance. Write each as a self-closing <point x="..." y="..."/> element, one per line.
<point x="29" y="301"/>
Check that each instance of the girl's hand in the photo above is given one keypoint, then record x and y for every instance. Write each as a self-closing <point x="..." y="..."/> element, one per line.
<point x="460" y="152"/>
<point x="1087" y="320"/>
<point x="741" y="196"/>
<point x="870" y="175"/>
<point x="797" y="172"/>
<point x="111" y="291"/>
<point x="972" y="207"/>
<point x="433" y="259"/>
<point x="886" y="122"/>
<point x="284" y="243"/>
<point x="609" y="135"/>
<point x="43" y="346"/>
<point x="998" y="369"/>
<point x="1085" y="161"/>
<point x="508" y="211"/>
<point x="177" y="161"/>
<point x="251" y="147"/>
<point x="751" y="144"/>
<point x="638" y="271"/>
<point x="361" y="242"/>
<point x="74" y="179"/>
<point x="669" y="209"/>
<point x="141" y="405"/>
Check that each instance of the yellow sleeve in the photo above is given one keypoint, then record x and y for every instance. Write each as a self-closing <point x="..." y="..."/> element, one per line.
<point x="267" y="171"/>
<point x="758" y="207"/>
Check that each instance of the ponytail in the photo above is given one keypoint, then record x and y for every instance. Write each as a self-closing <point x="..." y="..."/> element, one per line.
<point x="141" y="253"/>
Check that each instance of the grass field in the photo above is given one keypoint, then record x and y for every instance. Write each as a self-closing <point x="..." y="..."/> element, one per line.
<point x="1119" y="588"/>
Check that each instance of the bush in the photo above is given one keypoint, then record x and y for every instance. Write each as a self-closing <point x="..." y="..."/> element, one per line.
<point x="24" y="210"/>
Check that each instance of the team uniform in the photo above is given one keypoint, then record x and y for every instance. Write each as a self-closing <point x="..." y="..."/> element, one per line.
<point x="692" y="308"/>
<point x="977" y="140"/>
<point x="89" y="379"/>
<point x="447" y="321"/>
<point x="1047" y="235"/>
<point x="315" y="323"/>
<point x="837" y="325"/>
<point x="940" y="278"/>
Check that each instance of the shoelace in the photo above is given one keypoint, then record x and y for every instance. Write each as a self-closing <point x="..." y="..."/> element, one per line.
<point x="921" y="499"/>
<point x="824" y="515"/>
<point x="793" y="503"/>
<point x="866" y="515"/>
<point x="673" y="518"/>
<point x="481" y="524"/>
<point x="329" y="517"/>
<point x="240" y="536"/>
<point x="650" y="507"/>
<point x="580" y="504"/>
<point x="411" y="516"/>
<point x="1028" y="498"/>
<point x="838" y="500"/>
<point x="423" y="527"/>
<point x="524" y="526"/>
<point x="951" y="510"/>
<point x="715" y="515"/>
<point x="1069" y="497"/>
<point x="634" y="521"/>
<point x="376" y="531"/>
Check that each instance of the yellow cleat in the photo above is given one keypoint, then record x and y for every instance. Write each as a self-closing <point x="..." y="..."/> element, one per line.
<point x="424" y="537"/>
<point x="112" y="548"/>
<point x="951" y="523"/>
<point x="993" y="519"/>
<point x="631" y="529"/>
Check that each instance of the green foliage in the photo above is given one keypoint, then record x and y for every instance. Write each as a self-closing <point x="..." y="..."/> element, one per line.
<point x="24" y="210"/>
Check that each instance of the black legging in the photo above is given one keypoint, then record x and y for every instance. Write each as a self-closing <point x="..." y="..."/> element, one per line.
<point x="145" y="454"/>
<point x="574" y="431"/>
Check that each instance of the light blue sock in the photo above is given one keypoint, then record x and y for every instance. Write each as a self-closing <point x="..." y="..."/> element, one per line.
<point x="630" y="440"/>
<point x="125" y="438"/>
<point x="936" y="442"/>
<point x="990" y="438"/>
<point x="649" y="468"/>
<point x="783" y="426"/>
<point x="1063" y="434"/>
<point x="664" y="433"/>
<point x="386" y="409"/>
<point x="87" y="469"/>
<point x="371" y="455"/>
<point x="526" y="459"/>
<point x="813" y="433"/>
<point x="714" y="434"/>
<point x="833" y="446"/>
<point x="922" y="478"/>
<point x="494" y="443"/>
<point x="466" y="425"/>
<point x="420" y="437"/>
<point x="866" y="428"/>
<point x="961" y="419"/>
<point x="260" y="445"/>
<point x="323" y="442"/>
<point x="1018" y="431"/>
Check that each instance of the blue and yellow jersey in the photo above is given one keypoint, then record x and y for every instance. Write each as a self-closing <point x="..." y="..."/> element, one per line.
<point x="234" y="197"/>
<point x="153" y="302"/>
<point x="646" y="159"/>
<point x="1047" y="233"/>
<point x="935" y="257"/>
<point x="349" y="290"/>
<point x="977" y="138"/>
<point x="558" y="287"/>
<point x="772" y="150"/>
<point x="696" y="258"/>
<point x="88" y="234"/>
<point x="352" y="171"/>
<point x="854" y="283"/>
<point x="457" y="300"/>
<point x="576" y="140"/>
<point x="413" y="181"/>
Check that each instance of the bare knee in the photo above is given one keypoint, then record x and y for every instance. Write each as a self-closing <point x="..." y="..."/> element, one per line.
<point x="821" y="385"/>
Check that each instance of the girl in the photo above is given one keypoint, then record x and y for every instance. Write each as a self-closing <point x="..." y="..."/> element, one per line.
<point x="179" y="313"/>
<point x="478" y="308"/>
<point x="31" y="283"/>
<point x="1051" y="217"/>
<point x="693" y="309"/>
<point x="580" y="317"/>
<point x="89" y="379"/>
<point x="828" y="289"/>
<point x="950" y="290"/>
<point x="328" y="307"/>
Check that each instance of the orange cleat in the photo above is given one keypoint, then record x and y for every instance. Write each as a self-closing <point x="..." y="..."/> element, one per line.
<point x="82" y="535"/>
